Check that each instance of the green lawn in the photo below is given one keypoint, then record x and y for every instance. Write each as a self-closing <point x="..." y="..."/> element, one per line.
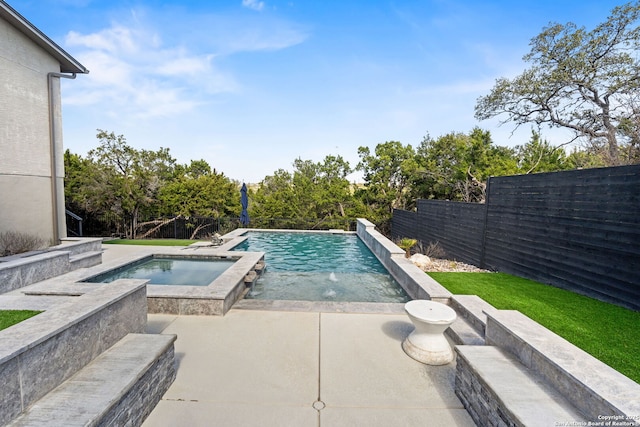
<point x="11" y="317"/>
<point x="606" y="331"/>
<point x="150" y="242"/>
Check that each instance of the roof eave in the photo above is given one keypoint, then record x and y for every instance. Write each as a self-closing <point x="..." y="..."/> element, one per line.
<point x="68" y="64"/>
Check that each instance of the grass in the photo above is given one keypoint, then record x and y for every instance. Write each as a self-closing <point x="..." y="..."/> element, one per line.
<point x="608" y="332"/>
<point x="151" y="242"/>
<point x="11" y="317"/>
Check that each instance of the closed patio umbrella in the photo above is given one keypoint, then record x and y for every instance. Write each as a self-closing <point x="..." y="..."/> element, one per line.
<point x="244" y="200"/>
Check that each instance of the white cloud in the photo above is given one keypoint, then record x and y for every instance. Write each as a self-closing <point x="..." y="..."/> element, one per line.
<point x="186" y="65"/>
<point x="253" y="4"/>
<point x="114" y="39"/>
<point x="148" y="59"/>
<point x="172" y="78"/>
<point x="133" y="74"/>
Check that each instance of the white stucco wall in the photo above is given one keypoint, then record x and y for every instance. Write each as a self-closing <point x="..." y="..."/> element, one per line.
<point x="25" y="157"/>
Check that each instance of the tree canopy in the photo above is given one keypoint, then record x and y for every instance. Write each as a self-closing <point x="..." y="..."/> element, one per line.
<point x="317" y="194"/>
<point x="585" y="81"/>
<point x="144" y="188"/>
<point x="132" y="185"/>
<point x="456" y="166"/>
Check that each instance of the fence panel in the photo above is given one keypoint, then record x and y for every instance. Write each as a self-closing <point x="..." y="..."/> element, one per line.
<point x="404" y="224"/>
<point x="456" y="227"/>
<point x="578" y="230"/>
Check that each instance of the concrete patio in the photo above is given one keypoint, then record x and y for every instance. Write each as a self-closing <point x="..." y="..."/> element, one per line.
<point x="288" y="368"/>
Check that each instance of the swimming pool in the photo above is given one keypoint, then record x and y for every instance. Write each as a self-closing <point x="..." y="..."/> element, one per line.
<point x="310" y="266"/>
<point x="168" y="271"/>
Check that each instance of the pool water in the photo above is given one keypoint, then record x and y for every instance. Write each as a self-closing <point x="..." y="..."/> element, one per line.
<point x="168" y="271"/>
<point x="320" y="267"/>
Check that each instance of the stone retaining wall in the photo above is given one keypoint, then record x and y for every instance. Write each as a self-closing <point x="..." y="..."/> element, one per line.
<point x="40" y="353"/>
<point x="593" y="388"/>
<point x="21" y="270"/>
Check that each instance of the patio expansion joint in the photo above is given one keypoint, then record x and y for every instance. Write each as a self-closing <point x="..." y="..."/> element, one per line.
<point x="319" y="398"/>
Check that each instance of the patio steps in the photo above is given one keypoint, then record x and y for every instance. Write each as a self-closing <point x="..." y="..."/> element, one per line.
<point x="119" y="387"/>
<point x="497" y="390"/>
<point x="461" y="332"/>
<point x="474" y="309"/>
<point x="85" y="259"/>
<point x="525" y="375"/>
<point x="593" y="387"/>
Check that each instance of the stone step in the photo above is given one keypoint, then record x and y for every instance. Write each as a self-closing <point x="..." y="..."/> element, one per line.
<point x="462" y="333"/>
<point x="595" y="388"/>
<point x="79" y="245"/>
<point x="474" y="309"/>
<point x="496" y="389"/>
<point x="85" y="259"/>
<point x="119" y="387"/>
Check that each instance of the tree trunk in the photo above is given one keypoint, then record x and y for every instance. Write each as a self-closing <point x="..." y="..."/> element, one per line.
<point x="134" y="222"/>
<point x="614" y="152"/>
<point x="612" y="142"/>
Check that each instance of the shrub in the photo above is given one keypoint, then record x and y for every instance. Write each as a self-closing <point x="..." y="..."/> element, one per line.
<point x="432" y="250"/>
<point x="12" y="242"/>
<point x="406" y="244"/>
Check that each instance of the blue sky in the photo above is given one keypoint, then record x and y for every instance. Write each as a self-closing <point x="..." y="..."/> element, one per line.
<point x="251" y="85"/>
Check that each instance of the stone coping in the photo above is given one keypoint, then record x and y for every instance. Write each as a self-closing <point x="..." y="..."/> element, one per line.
<point x="78" y="245"/>
<point x="217" y="289"/>
<point x="23" y="271"/>
<point x="38" y="303"/>
<point x="474" y="309"/>
<point x="30" y="258"/>
<point x="593" y="387"/>
<point x="415" y="282"/>
<point x="73" y="246"/>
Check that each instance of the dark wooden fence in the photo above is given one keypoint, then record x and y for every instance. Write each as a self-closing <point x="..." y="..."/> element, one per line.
<point x="578" y="230"/>
<point x="456" y="227"/>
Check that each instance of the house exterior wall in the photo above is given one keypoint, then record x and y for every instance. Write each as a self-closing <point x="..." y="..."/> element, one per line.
<point x="26" y="203"/>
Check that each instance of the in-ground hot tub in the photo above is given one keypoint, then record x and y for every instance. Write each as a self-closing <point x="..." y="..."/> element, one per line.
<point x="163" y="270"/>
<point x="190" y="281"/>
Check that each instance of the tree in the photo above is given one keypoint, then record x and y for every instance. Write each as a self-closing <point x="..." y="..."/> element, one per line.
<point x="456" y="166"/>
<point x="322" y="189"/>
<point x="76" y="169"/>
<point x="315" y="194"/>
<point x="387" y="172"/>
<point x="539" y="155"/>
<point x="583" y="81"/>
<point x="584" y="159"/>
<point x="119" y="179"/>
<point x="198" y="190"/>
<point x="274" y="198"/>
